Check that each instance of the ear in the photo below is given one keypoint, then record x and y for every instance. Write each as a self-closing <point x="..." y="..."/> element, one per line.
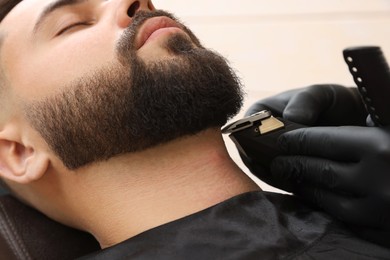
<point x="20" y="162"/>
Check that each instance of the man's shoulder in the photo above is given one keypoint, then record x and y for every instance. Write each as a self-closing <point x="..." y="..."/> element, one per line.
<point x="248" y="226"/>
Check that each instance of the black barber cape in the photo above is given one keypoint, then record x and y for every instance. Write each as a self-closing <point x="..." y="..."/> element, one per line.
<point x="255" y="225"/>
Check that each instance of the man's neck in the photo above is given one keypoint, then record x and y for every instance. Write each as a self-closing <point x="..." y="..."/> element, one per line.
<point x="128" y="195"/>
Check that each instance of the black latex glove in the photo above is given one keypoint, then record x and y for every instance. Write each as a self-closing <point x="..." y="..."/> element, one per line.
<point x="317" y="105"/>
<point x="344" y="170"/>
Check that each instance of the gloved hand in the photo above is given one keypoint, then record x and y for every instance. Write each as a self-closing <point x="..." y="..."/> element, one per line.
<point x="317" y="105"/>
<point x="344" y="170"/>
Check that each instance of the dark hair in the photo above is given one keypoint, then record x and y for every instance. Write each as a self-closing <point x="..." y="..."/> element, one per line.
<point x="6" y="6"/>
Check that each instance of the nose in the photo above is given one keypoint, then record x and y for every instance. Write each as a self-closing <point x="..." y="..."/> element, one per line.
<point x="128" y="8"/>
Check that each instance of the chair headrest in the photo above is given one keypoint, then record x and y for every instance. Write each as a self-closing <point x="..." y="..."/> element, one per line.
<point x="27" y="234"/>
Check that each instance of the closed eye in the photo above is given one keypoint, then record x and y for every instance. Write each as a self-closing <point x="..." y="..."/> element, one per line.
<point x="72" y="26"/>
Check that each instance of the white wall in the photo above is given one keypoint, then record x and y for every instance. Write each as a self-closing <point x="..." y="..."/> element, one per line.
<point x="283" y="44"/>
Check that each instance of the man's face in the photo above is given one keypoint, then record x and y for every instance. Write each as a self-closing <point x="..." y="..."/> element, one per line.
<point x="97" y="79"/>
<point x="42" y="55"/>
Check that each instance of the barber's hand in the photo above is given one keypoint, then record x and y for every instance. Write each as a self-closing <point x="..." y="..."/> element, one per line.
<point x="344" y="170"/>
<point x="317" y="105"/>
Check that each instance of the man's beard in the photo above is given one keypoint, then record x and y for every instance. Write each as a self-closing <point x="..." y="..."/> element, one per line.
<point x="135" y="106"/>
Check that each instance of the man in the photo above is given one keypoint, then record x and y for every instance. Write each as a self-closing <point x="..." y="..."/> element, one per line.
<point x="110" y="123"/>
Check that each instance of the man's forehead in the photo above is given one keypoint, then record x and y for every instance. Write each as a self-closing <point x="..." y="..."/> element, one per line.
<point x="18" y="22"/>
<point x="21" y="9"/>
<point x="6" y="6"/>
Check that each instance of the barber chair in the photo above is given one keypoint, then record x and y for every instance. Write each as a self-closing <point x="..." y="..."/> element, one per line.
<point x="27" y="234"/>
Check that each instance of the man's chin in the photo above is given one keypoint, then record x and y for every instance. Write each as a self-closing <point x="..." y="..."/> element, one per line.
<point x="166" y="47"/>
<point x="181" y="43"/>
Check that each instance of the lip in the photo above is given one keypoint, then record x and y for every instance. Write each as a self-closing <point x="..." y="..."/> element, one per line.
<point x="153" y="25"/>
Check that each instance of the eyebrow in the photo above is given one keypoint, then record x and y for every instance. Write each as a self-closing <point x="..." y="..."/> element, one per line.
<point x="52" y="7"/>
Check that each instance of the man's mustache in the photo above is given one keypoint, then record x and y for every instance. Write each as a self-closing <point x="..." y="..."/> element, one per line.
<point x="127" y="41"/>
<point x="141" y="16"/>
